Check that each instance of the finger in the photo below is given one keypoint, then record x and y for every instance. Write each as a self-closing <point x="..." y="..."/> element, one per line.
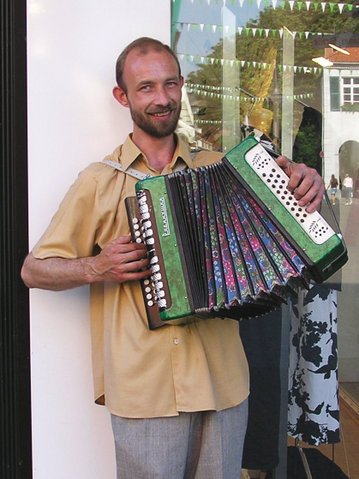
<point x="119" y="247"/>
<point x="284" y="163"/>
<point x="136" y="265"/>
<point x="136" y="276"/>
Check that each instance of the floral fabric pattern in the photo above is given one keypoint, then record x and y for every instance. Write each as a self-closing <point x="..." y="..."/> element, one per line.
<point x="313" y="403"/>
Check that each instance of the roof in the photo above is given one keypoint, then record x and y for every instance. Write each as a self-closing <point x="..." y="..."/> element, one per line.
<point x="336" y="56"/>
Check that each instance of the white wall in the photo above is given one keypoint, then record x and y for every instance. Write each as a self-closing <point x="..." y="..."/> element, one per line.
<point x="338" y="127"/>
<point x="73" y="120"/>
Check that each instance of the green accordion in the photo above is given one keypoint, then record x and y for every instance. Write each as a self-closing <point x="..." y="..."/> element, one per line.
<point x="228" y="239"/>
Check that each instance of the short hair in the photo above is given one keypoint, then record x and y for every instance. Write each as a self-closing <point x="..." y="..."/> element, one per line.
<point x="144" y="45"/>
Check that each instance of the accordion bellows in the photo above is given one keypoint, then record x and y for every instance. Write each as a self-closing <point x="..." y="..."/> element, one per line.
<point x="228" y="239"/>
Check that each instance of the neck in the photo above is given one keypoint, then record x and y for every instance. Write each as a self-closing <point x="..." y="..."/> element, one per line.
<point x="158" y="151"/>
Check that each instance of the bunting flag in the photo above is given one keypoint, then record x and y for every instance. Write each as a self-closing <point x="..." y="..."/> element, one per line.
<point x="228" y="94"/>
<point x="331" y="7"/>
<point x="202" y="60"/>
<point x="245" y="31"/>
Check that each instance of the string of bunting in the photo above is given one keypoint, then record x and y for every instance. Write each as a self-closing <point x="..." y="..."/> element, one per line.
<point x="299" y="5"/>
<point x="247" y="31"/>
<point x="199" y="59"/>
<point x="225" y="94"/>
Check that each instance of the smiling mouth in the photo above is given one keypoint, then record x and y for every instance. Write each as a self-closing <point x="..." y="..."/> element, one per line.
<point x="164" y="113"/>
<point x="160" y="113"/>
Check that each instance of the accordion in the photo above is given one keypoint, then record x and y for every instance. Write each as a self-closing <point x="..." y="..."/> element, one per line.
<point x="228" y="239"/>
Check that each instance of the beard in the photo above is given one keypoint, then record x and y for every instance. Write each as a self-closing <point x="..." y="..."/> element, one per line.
<point x="147" y="122"/>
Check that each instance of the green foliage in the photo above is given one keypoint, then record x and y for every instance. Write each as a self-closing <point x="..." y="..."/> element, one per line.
<point x="259" y="49"/>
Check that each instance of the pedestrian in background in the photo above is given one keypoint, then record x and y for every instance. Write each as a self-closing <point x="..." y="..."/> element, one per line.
<point x="333" y="188"/>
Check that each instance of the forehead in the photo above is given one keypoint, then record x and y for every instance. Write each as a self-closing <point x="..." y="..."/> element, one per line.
<point x="149" y="64"/>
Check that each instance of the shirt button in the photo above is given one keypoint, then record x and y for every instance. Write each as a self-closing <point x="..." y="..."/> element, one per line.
<point x="176" y="341"/>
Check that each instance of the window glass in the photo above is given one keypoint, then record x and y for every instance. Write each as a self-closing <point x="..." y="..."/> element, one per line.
<point x="289" y="69"/>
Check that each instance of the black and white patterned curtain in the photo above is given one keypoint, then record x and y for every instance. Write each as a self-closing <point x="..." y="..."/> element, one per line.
<point x="313" y="403"/>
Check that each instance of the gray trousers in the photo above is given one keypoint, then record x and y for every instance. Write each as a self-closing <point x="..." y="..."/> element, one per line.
<point x="200" y="445"/>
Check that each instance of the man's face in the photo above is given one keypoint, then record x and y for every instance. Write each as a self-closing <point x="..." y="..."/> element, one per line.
<point x="153" y="92"/>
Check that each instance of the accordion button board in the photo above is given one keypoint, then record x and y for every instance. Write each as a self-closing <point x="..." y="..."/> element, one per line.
<point x="274" y="177"/>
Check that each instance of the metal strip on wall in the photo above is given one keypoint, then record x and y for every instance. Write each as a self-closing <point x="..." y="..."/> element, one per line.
<point x="15" y="407"/>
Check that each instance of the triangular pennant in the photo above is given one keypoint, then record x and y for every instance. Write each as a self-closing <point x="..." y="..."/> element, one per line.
<point x="307" y="4"/>
<point x="291" y="4"/>
<point x="266" y="30"/>
<point x="299" y="5"/>
<point x="323" y="4"/>
<point x="274" y="4"/>
<point x="254" y="30"/>
<point x="241" y="3"/>
<point x="341" y="6"/>
<point x="306" y="35"/>
<point x="239" y="29"/>
<point x="331" y="7"/>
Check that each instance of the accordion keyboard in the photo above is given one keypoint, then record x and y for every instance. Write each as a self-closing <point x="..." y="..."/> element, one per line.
<point x="276" y="180"/>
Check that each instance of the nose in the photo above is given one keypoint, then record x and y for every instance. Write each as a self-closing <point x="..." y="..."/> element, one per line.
<point x="162" y="97"/>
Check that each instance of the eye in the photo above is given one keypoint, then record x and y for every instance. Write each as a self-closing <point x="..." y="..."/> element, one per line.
<point x="172" y="84"/>
<point x="145" y="88"/>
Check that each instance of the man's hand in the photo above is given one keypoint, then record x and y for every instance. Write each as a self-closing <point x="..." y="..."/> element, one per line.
<point x="120" y="260"/>
<point x="304" y="182"/>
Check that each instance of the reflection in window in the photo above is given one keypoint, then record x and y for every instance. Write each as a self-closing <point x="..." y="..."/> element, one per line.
<point x="350" y="90"/>
<point x="289" y="68"/>
<point x="261" y="82"/>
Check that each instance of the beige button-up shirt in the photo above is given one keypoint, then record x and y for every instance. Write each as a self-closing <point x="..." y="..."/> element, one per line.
<point x="141" y="373"/>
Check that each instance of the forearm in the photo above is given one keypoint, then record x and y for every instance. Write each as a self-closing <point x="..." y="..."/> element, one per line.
<point x="57" y="274"/>
<point x="120" y="260"/>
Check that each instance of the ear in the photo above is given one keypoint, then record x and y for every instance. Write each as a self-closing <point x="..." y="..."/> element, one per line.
<point x="120" y="95"/>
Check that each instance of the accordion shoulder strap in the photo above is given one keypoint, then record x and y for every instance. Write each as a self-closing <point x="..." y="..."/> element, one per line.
<point x="132" y="171"/>
<point x="129" y="171"/>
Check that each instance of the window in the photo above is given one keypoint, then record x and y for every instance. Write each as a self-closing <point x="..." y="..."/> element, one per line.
<point x="350" y="88"/>
<point x="334" y="94"/>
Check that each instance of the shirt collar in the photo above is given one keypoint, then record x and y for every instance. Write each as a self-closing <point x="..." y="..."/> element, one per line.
<point x="130" y="153"/>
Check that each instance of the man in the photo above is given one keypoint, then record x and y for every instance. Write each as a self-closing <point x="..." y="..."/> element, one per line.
<point x="177" y="395"/>
<point x="348" y="189"/>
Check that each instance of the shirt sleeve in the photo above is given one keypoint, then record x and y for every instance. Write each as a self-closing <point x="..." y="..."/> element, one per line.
<point x="72" y="230"/>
